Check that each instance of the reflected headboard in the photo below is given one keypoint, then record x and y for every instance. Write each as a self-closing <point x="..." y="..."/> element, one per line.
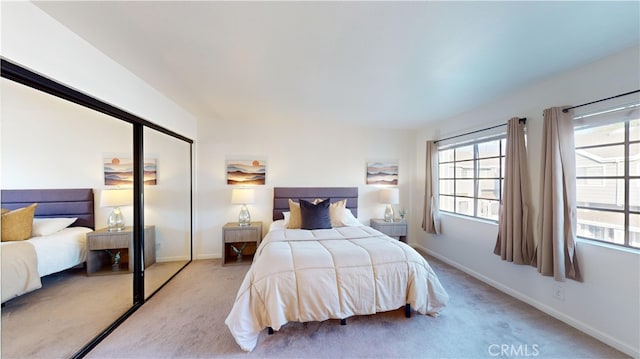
<point x="281" y="196"/>
<point x="74" y="202"/>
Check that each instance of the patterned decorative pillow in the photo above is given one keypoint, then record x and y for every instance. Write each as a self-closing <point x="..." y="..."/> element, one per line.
<point x="17" y="224"/>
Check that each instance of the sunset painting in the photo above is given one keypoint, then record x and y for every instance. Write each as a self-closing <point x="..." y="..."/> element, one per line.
<point x="382" y="173"/>
<point x="246" y="172"/>
<point x="119" y="171"/>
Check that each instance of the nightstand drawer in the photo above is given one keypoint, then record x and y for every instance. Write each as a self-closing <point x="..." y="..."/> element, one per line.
<point x="243" y="235"/>
<point x="393" y="230"/>
<point x="109" y="241"/>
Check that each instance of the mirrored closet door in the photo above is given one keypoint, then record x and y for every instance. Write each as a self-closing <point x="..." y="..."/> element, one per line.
<point x="54" y="137"/>
<point x="51" y="143"/>
<point x="167" y="207"/>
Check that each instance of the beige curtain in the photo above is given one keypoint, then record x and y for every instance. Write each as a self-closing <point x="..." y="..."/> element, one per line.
<point x="431" y="215"/>
<point x="556" y="248"/>
<point x="515" y="231"/>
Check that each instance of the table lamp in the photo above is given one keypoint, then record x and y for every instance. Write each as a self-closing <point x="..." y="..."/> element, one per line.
<point x="116" y="198"/>
<point x="389" y="196"/>
<point x="243" y="196"/>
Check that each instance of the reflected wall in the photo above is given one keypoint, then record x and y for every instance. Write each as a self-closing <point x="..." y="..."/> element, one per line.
<point x="167" y="205"/>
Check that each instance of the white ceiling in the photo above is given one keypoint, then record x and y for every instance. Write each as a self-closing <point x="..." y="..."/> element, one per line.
<point x="382" y="64"/>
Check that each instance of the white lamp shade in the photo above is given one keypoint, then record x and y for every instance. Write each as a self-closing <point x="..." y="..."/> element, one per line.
<point x="389" y="196"/>
<point x="116" y="197"/>
<point x="242" y="196"/>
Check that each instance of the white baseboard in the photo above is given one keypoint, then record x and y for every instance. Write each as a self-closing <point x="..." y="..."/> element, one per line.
<point x="605" y="338"/>
<point x="208" y="256"/>
<point x="184" y="258"/>
<point x="172" y="259"/>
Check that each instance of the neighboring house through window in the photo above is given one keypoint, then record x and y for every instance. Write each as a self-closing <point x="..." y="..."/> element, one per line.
<point x="608" y="176"/>
<point x="471" y="176"/>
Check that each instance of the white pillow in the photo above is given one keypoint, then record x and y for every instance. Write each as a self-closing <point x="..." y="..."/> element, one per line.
<point x="46" y="226"/>
<point x="286" y="215"/>
<point x="342" y="217"/>
<point x="348" y="218"/>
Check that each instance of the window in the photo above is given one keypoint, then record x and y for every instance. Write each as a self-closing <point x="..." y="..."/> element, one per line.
<point x="608" y="178"/>
<point x="471" y="177"/>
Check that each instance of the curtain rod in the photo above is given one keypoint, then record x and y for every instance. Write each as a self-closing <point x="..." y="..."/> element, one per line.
<point x="522" y="120"/>
<point x="604" y="99"/>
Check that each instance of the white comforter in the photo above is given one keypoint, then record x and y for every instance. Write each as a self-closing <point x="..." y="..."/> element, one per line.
<point x="24" y="262"/>
<point x="61" y="250"/>
<point x="301" y="275"/>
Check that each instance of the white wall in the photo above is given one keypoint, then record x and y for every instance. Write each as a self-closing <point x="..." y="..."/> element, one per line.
<point x="297" y="155"/>
<point x="34" y="40"/>
<point x="606" y="305"/>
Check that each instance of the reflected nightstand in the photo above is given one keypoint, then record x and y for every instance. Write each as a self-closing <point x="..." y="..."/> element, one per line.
<point x="101" y="241"/>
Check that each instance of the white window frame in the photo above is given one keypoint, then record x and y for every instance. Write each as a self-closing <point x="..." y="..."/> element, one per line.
<point x="625" y="114"/>
<point x="476" y="171"/>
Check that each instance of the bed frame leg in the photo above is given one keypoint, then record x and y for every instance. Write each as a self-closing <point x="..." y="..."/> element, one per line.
<point x="407" y="310"/>
<point x="270" y="330"/>
<point x="343" y="322"/>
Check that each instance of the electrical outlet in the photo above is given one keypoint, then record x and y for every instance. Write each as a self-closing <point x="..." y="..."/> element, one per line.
<point x="558" y="292"/>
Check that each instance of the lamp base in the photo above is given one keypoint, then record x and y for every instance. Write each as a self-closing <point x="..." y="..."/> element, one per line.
<point x="115" y="222"/>
<point x="388" y="214"/>
<point x="244" y="218"/>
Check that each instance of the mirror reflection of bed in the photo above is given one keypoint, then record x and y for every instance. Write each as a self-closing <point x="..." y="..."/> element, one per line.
<point x="50" y="143"/>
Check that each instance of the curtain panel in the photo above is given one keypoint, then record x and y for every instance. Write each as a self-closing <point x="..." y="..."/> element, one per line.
<point x="555" y="253"/>
<point x="431" y="214"/>
<point x="515" y="228"/>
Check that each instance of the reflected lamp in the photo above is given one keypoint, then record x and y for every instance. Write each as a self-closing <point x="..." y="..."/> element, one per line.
<point x="243" y="196"/>
<point x="116" y="198"/>
<point x="389" y="196"/>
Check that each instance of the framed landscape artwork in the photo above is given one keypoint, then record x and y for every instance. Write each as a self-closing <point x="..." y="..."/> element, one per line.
<point x="246" y="172"/>
<point x="118" y="171"/>
<point x="382" y="173"/>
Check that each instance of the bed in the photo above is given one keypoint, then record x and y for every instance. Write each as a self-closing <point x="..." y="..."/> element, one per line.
<point x="304" y="275"/>
<point x="58" y="242"/>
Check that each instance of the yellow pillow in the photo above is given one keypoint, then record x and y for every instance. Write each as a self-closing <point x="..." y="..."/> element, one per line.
<point x="295" y="219"/>
<point x="17" y="224"/>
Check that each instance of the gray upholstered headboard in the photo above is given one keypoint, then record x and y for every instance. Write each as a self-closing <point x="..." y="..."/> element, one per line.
<point x="75" y="202"/>
<point x="281" y="196"/>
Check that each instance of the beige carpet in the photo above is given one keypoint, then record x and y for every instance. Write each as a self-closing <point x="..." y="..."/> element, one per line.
<point x="69" y="310"/>
<point x="186" y="320"/>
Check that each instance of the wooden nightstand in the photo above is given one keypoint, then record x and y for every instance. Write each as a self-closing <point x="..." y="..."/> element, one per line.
<point x="234" y="235"/>
<point x="392" y="229"/>
<point x="98" y="242"/>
